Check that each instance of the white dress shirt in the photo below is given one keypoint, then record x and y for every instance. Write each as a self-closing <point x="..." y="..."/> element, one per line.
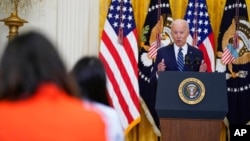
<point x="184" y="50"/>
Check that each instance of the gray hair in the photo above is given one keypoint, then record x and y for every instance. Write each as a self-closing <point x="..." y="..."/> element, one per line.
<point x="180" y="21"/>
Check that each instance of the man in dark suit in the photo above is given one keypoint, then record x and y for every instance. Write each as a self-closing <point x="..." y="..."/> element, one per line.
<point x="191" y="57"/>
<point x="167" y="56"/>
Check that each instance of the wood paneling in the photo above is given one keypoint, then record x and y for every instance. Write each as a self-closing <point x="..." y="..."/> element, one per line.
<point x="190" y="129"/>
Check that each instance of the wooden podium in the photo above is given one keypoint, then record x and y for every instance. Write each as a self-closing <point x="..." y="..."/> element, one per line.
<point x="189" y="120"/>
<point x="174" y="129"/>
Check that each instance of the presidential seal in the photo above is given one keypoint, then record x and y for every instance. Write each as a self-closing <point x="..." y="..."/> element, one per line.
<point x="191" y="91"/>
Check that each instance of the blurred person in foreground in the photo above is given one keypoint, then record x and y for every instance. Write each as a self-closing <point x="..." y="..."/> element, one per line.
<point x="90" y="75"/>
<point x="38" y="99"/>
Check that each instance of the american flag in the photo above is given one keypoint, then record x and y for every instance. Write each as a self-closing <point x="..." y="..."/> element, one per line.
<point x="229" y="54"/>
<point x="119" y="53"/>
<point x="201" y="31"/>
<point x="152" y="51"/>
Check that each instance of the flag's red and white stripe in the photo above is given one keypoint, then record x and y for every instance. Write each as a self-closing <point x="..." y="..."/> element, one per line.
<point x="227" y="57"/>
<point x="208" y="47"/>
<point x="152" y="51"/>
<point x="120" y="61"/>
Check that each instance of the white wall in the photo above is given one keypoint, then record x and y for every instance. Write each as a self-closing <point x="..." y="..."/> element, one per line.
<point x="72" y="25"/>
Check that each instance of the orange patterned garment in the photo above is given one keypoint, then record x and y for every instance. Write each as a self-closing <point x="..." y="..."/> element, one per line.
<point x="50" y="115"/>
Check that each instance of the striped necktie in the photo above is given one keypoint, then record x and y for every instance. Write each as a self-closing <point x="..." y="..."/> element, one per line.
<point x="180" y="60"/>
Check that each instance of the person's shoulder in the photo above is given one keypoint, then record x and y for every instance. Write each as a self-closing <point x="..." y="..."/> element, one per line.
<point x="196" y="51"/>
<point x="194" y="48"/>
<point x="191" y="46"/>
<point x="166" y="47"/>
<point x="105" y="109"/>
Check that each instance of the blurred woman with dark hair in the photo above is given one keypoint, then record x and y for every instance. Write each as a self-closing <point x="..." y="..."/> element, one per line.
<point x="90" y="75"/>
<point x="38" y="100"/>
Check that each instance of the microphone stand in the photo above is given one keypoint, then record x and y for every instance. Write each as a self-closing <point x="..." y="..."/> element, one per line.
<point x="192" y="64"/>
<point x="189" y="63"/>
<point x="197" y="61"/>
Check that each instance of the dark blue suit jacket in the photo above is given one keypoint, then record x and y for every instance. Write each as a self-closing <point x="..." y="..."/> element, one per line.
<point x="193" y="59"/>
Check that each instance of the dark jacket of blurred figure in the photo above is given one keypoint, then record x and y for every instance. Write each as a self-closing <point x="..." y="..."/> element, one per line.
<point x="90" y="75"/>
<point x="38" y="100"/>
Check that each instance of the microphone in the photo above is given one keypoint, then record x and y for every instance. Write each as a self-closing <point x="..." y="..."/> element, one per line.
<point x="187" y="60"/>
<point x="197" y="60"/>
<point x="189" y="63"/>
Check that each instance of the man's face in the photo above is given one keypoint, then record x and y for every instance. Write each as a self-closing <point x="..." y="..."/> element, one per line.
<point x="179" y="32"/>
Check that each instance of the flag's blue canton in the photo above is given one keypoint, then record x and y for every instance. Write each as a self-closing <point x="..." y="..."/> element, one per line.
<point x="121" y="15"/>
<point x="197" y="15"/>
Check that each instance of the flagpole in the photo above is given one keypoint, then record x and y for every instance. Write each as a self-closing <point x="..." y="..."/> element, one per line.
<point x="158" y="39"/>
<point x="195" y="24"/>
<point x="236" y="37"/>
<point x="120" y="32"/>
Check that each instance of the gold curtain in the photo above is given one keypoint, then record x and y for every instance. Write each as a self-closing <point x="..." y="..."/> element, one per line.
<point x="178" y="8"/>
<point x="143" y="131"/>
